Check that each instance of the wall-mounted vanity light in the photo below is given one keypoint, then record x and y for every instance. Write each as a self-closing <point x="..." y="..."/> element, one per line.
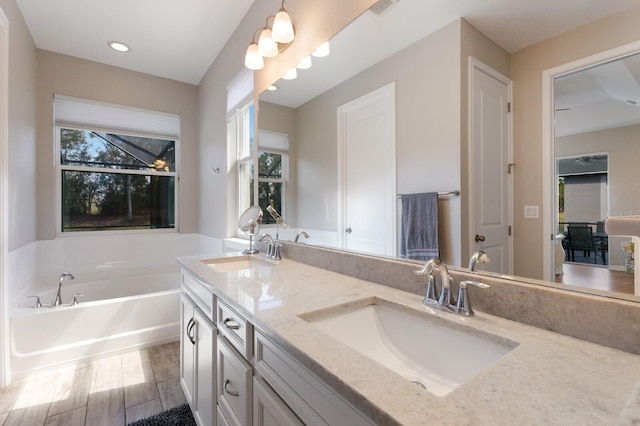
<point x="273" y="39"/>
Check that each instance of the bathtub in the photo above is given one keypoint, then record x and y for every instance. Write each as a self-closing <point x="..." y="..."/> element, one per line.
<point x="118" y="312"/>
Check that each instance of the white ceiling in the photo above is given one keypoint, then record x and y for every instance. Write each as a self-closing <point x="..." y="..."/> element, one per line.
<point x="168" y="38"/>
<point x="602" y="97"/>
<point x="179" y="40"/>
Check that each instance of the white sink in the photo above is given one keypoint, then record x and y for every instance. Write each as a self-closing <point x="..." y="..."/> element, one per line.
<point x="235" y="263"/>
<point x="434" y="353"/>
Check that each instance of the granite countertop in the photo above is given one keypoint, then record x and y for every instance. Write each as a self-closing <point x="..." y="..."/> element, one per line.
<point x="547" y="379"/>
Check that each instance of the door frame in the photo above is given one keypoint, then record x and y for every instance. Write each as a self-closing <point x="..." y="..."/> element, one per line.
<point x="384" y="91"/>
<point x="475" y="64"/>
<point x="5" y="370"/>
<point x="549" y="190"/>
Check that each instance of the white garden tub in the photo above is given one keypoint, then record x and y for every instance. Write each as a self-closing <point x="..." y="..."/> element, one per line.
<point x="118" y="312"/>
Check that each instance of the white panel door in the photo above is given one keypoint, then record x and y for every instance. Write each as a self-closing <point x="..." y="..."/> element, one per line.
<point x="491" y="154"/>
<point x="366" y="154"/>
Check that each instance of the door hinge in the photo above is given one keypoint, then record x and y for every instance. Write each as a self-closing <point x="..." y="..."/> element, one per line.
<point x="508" y="106"/>
<point x="509" y="230"/>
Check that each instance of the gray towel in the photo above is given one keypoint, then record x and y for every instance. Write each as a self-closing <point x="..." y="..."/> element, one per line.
<point x="419" y="239"/>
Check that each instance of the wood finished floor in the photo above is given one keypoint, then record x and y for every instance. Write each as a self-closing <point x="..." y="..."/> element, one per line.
<point x="111" y="392"/>
<point x="596" y="277"/>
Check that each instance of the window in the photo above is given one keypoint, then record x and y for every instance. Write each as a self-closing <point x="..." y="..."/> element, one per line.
<point x="273" y="161"/>
<point x="113" y="180"/>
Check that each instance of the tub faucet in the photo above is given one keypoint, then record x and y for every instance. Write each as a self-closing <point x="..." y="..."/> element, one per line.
<point x="304" y="234"/>
<point x="58" y="299"/>
<point x="479" y="256"/>
<point x="444" y="300"/>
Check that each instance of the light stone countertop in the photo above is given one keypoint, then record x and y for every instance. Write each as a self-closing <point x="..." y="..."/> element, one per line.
<point x="547" y="379"/>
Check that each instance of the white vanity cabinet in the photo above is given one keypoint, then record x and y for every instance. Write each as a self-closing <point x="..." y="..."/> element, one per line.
<point x="198" y="350"/>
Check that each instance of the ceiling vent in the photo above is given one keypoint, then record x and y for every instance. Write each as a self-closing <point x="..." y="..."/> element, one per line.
<point x="382" y="6"/>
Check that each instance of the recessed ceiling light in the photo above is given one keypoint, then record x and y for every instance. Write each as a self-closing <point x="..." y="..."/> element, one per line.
<point x="120" y="47"/>
<point x="272" y="88"/>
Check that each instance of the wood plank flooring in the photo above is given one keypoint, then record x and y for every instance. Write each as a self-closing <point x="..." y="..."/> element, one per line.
<point x="111" y="392"/>
<point x="596" y="277"/>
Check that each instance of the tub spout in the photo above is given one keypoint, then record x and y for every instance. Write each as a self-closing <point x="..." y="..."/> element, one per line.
<point x="57" y="301"/>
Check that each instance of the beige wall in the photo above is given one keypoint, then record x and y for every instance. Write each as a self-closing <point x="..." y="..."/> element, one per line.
<point x="22" y="129"/>
<point x="71" y="76"/>
<point x="526" y="71"/>
<point x="621" y="144"/>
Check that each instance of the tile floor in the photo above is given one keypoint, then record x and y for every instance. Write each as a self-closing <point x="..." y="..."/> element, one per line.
<point x="111" y="392"/>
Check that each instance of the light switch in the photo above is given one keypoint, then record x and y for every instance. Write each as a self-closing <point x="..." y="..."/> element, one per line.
<point x="531" y="212"/>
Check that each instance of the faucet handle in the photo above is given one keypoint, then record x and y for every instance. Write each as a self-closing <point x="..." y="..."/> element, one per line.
<point x="75" y="298"/>
<point x="38" y="304"/>
<point x="463" y="307"/>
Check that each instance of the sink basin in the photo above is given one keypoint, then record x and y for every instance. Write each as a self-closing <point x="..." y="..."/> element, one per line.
<point x="235" y="263"/>
<point x="435" y="354"/>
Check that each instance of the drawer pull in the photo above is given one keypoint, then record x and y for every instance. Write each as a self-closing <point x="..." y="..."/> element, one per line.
<point x="230" y="392"/>
<point x="231" y="324"/>
<point x="190" y="326"/>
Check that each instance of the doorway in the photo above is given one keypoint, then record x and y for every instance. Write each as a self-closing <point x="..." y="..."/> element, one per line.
<point x="590" y="125"/>
<point x="367" y="173"/>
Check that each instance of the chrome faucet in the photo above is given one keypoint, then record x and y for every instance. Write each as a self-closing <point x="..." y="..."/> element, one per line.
<point x="57" y="301"/>
<point x="304" y="234"/>
<point x="479" y="256"/>
<point x="269" y="246"/>
<point x="444" y="300"/>
<point x="274" y="248"/>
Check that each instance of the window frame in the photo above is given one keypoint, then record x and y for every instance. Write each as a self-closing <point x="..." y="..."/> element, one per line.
<point x="243" y="127"/>
<point x="59" y="168"/>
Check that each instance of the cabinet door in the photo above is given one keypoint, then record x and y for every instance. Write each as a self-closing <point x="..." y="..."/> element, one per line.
<point x="206" y="370"/>
<point x="187" y="349"/>
<point x="269" y="409"/>
<point x="234" y="384"/>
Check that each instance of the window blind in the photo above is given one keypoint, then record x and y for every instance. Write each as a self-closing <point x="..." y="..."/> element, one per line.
<point x="239" y="91"/>
<point x="268" y="140"/>
<point x="92" y="114"/>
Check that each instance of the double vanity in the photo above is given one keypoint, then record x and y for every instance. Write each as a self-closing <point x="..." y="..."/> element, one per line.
<point x="284" y="342"/>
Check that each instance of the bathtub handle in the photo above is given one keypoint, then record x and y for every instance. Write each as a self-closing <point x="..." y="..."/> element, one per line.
<point x="230" y="392"/>
<point x="190" y="326"/>
<point x="38" y="304"/>
<point x="231" y="324"/>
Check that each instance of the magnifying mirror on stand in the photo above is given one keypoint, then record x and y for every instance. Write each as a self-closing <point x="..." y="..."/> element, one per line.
<point x="249" y="223"/>
<point x="279" y="220"/>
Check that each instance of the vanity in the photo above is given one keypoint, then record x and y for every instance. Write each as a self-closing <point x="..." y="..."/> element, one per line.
<point x="259" y="345"/>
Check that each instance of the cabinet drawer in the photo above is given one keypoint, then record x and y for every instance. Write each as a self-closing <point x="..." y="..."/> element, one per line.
<point x="312" y="401"/>
<point x="204" y="299"/>
<point x="234" y="384"/>
<point x="236" y="328"/>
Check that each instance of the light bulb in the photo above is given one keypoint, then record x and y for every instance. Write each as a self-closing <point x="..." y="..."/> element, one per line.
<point x="290" y="75"/>
<point x="266" y="45"/>
<point x="305" y="63"/>
<point x="322" y="51"/>
<point x="282" y="27"/>
<point x="252" y="59"/>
